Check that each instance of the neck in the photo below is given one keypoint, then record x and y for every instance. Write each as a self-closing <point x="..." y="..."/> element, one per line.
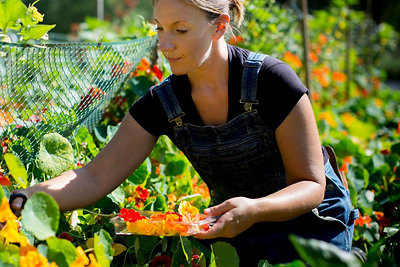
<point x="214" y="72"/>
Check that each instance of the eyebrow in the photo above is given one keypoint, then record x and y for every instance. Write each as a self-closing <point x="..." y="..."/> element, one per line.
<point x="155" y="21"/>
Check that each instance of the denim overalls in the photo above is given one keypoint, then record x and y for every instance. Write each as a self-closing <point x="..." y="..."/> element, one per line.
<point x="242" y="158"/>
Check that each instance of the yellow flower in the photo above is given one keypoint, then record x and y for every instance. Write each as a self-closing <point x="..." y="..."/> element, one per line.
<point x="93" y="261"/>
<point x="11" y="235"/>
<point x="82" y="260"/>
<point x="328" y="117"/>
<point x="35" y="13"/>
<point x="5" y="212"/>
<point x="34" y="259"/>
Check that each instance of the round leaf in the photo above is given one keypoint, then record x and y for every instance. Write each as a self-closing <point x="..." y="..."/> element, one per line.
<point x="55" y="154"/>
<point x="41" y="215"/>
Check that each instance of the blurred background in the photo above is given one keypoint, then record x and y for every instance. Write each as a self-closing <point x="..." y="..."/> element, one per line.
<point x="75" y="12"/>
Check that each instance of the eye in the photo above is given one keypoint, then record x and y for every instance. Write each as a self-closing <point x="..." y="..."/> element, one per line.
<point x="182" y="31"/>
<point x="159" y="28"/>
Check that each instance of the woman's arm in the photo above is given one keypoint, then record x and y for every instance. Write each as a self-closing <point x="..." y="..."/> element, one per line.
<point x="300" y="147"/>
<point x="119" y="158"/>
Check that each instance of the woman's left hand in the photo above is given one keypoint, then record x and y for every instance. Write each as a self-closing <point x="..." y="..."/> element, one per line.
<point x="236" y="215"/>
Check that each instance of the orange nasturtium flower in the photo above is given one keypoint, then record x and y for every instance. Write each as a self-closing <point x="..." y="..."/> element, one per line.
<point x="81" y="260"/>
<point x="328" y="117"/>
<point x="362" y="220"/>
<point x="292" y="59"/>
<point x="160" y="224"/>
<point x="338" y="76"/>
<point x="35" y="259"/>
<point x="5" y="212"/>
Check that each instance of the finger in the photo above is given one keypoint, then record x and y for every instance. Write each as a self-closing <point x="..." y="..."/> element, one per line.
<point x="213" y="232"/>
<point x="16" y="205"/>
<point x="219" y="209"/>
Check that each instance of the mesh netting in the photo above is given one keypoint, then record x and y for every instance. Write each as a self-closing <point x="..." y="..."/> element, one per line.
<point x="56" y="87"/>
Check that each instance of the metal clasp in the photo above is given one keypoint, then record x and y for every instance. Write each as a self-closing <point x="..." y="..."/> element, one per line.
<point x="177" y="120"/>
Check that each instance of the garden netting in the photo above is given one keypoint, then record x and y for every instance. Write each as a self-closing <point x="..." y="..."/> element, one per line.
<point x="56" y="87"/>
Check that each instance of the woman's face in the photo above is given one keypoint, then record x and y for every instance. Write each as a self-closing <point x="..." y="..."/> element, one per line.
<point x="184" y="33"/>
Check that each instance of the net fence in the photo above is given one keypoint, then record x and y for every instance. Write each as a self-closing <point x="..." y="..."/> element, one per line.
<point x="55" y="87"/>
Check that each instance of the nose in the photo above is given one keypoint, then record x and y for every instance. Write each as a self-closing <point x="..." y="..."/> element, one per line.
<point x="165" y="43"/>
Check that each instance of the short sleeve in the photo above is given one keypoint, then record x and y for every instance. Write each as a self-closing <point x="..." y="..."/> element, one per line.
<point x="281" y="90"/>
<point x="148" y="112"/>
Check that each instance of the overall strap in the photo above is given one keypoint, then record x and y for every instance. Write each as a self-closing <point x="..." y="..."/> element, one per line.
<point x="169" y="101"/>
<point x="251" y="68"/>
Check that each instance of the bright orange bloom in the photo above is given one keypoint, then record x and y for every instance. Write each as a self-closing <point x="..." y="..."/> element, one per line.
<point x="347" y="118"/>
<point x="362" y="220"/>
<point x="34" y="259"/>
<point x="328" y="117"/>
<point x="383" y="221"/>
<point x="4" y="180"/>
<point x="81" y="260"/>
<point x="322" y="39"/>
<point x="313" y="57"/>
<point x="201" y="188"/>
<point x="10" y="233"/>
<point x="5" y="212"/>
<point x="93" y="261"/>
<point x="346" y="162"/>
<point x="315" y="96"/>
<point x="378" y="102"/>
<point x="292" y="60"/>
<point x="23" y="250"/>
<point x="338" y="76"/>
<point x="236" y="40"/>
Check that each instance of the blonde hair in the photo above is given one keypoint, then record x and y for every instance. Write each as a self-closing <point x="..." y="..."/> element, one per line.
<point x="214" y="8"/>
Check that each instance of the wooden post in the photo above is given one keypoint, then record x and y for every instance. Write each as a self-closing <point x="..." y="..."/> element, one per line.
<point x="369" y="45"/>
<point x="347" y="55"/>
<point x="100" y="9"/>
<point x="306" y="43"/>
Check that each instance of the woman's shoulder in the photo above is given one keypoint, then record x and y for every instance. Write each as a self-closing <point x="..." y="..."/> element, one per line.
<point x="271" y="65"/>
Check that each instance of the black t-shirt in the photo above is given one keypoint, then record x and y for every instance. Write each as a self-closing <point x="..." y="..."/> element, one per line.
<point x="279" y="89"/>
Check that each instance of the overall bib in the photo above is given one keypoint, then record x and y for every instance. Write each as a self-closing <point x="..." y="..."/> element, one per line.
<point x="242" y="158"/>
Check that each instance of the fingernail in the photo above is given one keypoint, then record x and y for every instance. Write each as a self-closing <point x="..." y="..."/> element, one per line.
<point x="207" y="211"/>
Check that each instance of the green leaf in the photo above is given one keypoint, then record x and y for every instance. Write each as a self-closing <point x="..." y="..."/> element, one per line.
<point x="10" y="12"/>
<point x="61" y="251"/>
<point x="144" y="246"/>
<point x="174" y="168"/>
<point x="186" y="248"/>
<point x="9" y="256"/>
<point x="319" y="253"/>
<point x="102" y="248"/>
<point x="141" y="173"/>
<point x="55" y="154"/>
<point x="83" y="136"/>
<point x="395" y="148"/>
<point x="117" y="196"/>
<point x="41" y="215"/>
<point x="36" y="32"/>
<point x="1" y="193"/>
<point x="16" y="169"/>
<point x="224" y="255"/>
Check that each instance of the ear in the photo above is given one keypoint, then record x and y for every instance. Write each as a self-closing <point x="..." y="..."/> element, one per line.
<point x="222" y="24"/>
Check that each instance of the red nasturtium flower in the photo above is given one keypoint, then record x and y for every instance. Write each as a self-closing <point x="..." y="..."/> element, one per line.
<point x="362" y="220"/>
<point x="66" y="236"/>
<point x="139" y="196"/>
<point x="156" y="70"/>
<point x="161" y="261"/>
<point x="398" y="127"/>
<point x="4" y="180"/>
<point x="130" y="215"/>
<point x="93" y="94"/>
<point x="383" y="221"/>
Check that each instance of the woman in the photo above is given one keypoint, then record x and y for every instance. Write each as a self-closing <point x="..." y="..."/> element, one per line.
<point x="246" y="124"/>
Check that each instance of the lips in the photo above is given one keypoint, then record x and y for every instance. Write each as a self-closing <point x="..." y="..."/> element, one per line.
<point x="172" y="59"/>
